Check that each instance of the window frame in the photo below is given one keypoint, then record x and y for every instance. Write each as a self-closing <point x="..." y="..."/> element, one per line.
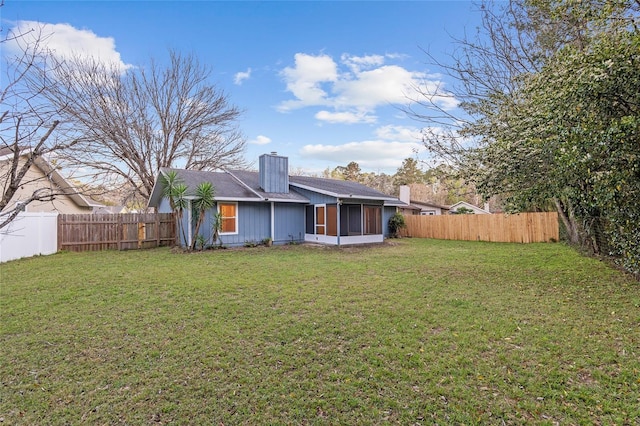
<point x="320" y="225"/>
<point x="235" y="206"/>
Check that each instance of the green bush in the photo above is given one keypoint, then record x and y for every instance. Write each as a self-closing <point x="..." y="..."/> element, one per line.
<point x="396" y="223"/>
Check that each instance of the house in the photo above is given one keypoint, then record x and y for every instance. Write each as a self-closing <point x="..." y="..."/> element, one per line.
<point x="112" y="210"/>
<point x="422" y="208"/>
<point x="43" y="177"/>
<point x="468" y="207"/>
<point x="270" y="204"/>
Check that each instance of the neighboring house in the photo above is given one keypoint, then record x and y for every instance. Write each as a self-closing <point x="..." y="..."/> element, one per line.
<point x="43" y="176"/>
<point x="271" y="204"/>
<point x="423" y="208"/>
<point x="476" y="210"/>
<point x="111" y="210"/>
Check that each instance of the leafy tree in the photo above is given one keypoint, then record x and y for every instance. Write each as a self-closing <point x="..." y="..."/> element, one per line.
<point x="409" y="172"/>
<point x="351" y="172"/>
<point x="550" y="96"/>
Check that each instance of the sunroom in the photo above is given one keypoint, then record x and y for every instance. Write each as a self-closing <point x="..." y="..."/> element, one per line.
<point x="345" y="223"/>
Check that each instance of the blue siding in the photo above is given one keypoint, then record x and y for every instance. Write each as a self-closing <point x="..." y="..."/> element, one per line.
<point x="316" y="198"/>
<point x="254" y="224"/>
<point x="387" y="213"/>
<point x="274" y="173"/>
<point x="254" y="220"/>
<point x="164" y="206"/>
<point x="289" y="223"/>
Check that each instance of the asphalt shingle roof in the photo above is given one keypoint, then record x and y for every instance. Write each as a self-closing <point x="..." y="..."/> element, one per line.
<point x="339" y="188"/>
<point x="245" y="185"/>
<point x="252" y="180"/>
<point x="226" y="186"/>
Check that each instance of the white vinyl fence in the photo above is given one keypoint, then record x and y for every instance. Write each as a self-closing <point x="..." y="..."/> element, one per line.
<point x="29" y="234"/>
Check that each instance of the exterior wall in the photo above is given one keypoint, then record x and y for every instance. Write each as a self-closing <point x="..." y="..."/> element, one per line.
<point x="315" y="198"/>
<point x="29" y="234"/>
<point x="387" y="213"/>
<point x="289" y="223"/>
<point x="35" y="179"/>
<point x="430" y="211"/>
<point x="254" y="224"/>
<point x="344" y="241"/>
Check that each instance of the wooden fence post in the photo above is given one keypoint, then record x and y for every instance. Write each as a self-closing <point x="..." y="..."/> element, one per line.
<point x="59" y="224"/>
<point x="157" y="230"/>
<point x="120" y="231"/>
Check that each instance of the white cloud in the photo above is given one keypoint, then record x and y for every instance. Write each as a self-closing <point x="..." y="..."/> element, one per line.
<point x="345" y="117"/>
<point x="356" y="63"/>
<point x="371" y="155"/>
<point x="260" y="140"/>
<point x="389" y="84"/>
<point x="63" y="41"/>
<point x="241" y="76"/>
<point x="357" y="86"/>
<point x="305" y="79"/>
<point x="399" y="133"/>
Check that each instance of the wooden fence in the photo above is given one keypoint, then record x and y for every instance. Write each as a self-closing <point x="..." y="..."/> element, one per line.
<point x="510" y="228"/>
<point x="90" y="232"/>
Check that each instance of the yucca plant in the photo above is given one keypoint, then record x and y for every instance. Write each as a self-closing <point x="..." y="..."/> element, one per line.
<point x="176" y="191"/>
<point x="203" y="201"/>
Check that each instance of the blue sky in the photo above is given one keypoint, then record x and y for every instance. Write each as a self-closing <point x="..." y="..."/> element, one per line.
<point x="320" y="82"/>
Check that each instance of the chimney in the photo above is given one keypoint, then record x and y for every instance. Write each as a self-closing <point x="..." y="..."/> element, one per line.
<point x="274" y="173"/>
<point x="405" y="194"/>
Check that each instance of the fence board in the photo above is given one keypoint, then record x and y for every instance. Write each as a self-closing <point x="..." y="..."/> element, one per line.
<point x="128" y="231"/>
<point x="509" y="228"/>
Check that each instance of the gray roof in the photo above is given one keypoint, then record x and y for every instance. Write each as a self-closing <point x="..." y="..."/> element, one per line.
<point x="226" y="186"/>
<point x="252" y="180"/>
<point x="338" y="188"/>
<point x="242" y="185"/>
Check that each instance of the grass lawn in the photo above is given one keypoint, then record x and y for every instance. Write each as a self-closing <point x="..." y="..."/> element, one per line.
<point x="411" y="332"/>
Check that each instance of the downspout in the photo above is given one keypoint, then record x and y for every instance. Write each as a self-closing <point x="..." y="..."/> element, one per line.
<point x="338" y="219"/>
<point x="190" y="233"/>
<point x="273" y="221"/>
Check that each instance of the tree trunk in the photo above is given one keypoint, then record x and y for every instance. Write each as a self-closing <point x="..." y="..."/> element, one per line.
<point x="569" y="221"/>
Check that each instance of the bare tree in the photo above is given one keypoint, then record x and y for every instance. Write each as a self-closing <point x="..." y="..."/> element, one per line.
<point x="135" y="121"/>
<point x="30" y="128"/>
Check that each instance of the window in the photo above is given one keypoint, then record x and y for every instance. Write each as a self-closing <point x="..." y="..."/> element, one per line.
<point x="332" y="220"/>
<point x="229" y="217"/>
<point x="372" y="220"/>
<point x="320" y="222"/>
